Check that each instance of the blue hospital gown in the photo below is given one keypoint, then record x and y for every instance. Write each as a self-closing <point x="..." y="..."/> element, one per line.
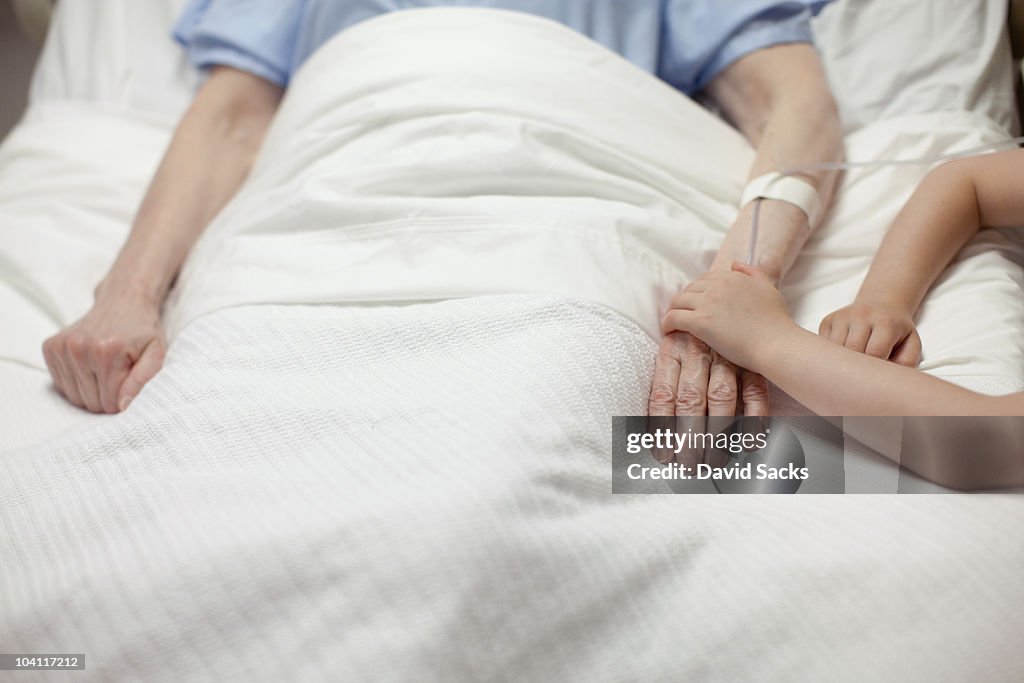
<point x="685" y="42"/>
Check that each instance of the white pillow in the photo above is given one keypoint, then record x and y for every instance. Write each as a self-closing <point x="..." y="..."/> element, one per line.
<point x="888" y="58"/>
<point x="117" y="52"/>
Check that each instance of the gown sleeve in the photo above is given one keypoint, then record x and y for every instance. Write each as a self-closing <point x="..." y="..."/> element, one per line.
<point x="256" y="36"/>
<point x="703" y="37"/>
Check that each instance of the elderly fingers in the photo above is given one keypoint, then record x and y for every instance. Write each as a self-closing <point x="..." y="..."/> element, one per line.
<point x="723" y="388"/>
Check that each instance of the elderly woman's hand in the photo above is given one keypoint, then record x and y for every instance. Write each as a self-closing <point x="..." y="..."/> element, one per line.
<point x="697" y="382"/>
<point x="102" y="361"/>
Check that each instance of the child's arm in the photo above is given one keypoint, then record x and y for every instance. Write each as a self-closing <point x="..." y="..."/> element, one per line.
<point x="947" y="210"/>
<point x="743" y="317"/>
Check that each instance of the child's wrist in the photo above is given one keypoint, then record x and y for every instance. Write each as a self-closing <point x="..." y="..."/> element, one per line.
<point x="771" y="352"/>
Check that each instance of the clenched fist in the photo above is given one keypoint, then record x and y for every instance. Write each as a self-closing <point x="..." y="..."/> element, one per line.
<point x="877" y="330"/>
<point x="101" y="362"/>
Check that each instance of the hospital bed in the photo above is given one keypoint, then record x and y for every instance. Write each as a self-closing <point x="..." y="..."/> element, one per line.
<point x="400" y="468"/>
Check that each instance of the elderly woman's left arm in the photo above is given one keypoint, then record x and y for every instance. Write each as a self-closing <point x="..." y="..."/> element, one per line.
<point x="780" y="99"/>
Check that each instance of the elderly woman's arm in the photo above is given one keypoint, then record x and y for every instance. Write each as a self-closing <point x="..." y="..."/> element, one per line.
<point x="779" y="98"/>
<point x="102" y="361"/>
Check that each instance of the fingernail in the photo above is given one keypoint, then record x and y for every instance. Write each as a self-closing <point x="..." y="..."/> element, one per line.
<point x="125" y="402"/>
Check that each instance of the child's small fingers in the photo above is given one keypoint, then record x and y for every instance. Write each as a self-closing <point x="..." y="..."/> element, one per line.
<point x="741" y="267"/>
<point x="882" y="342"/>
<point x="686" y="301"/>
<point x="909" y="352"/>
<point x="678" y="320"/>
<point x="840" y="329"/>
<point x="695" y="287"/>
<point x="858" y="336"/>
<point x="825" y="328"/>
<point x="750" y="270"/>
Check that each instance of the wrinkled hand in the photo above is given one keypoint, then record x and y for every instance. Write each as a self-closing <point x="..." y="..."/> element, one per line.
<point x="102" y="361"/>
<point x="697" y="385"/>
<point x="737" y="313"/>
<point x="876" y="330"/>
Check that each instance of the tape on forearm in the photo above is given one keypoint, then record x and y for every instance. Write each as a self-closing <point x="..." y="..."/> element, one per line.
<point x="795" y="191"/>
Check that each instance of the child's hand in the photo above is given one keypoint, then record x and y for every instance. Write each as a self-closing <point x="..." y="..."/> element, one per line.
<point x="736" y="313"/>
<point x="876" y="330"/>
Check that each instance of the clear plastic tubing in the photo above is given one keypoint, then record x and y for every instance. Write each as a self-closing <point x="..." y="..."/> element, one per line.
<point x="847" y="165"/>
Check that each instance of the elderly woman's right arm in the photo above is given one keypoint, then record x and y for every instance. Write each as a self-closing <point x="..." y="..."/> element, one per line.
<point x="102" y="361"/>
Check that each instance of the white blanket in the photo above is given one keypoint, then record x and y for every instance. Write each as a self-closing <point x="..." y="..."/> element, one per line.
<point x="473" y="152"/>
<point x="322" y="494"/>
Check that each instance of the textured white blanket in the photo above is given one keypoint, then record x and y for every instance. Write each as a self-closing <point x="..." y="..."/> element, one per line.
<point x="322" y="494"/>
